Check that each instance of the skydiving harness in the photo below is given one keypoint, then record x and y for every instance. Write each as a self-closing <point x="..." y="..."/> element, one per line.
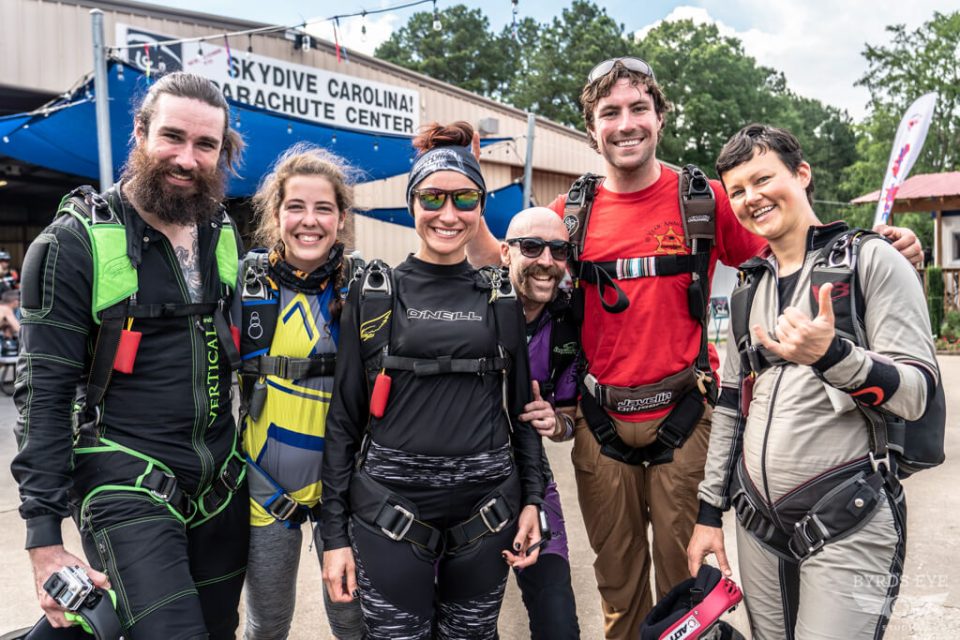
<point x="116" y="256"/>
<point x="394" y="516"/>
<point x="687" y="390"/>
<point x="838" y="502"/>
<point x="898" y="446"/>
<point x="260" y="310"/>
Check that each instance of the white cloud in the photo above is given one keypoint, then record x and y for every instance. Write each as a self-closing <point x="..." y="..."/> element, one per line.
<point x="379" y="28"/>
<point x="817" y="44"/>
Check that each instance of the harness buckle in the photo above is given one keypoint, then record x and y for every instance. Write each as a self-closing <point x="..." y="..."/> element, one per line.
<point x="166" y="489"/>
<point x="809" y="539"/>
<point x="283" y="507"/>
<point x="486" y="511"/>
<point x="282" y="362"/>
<point x="877" y="463"/>
<point x="231" y="481"/>
<point x="405" y="522"/>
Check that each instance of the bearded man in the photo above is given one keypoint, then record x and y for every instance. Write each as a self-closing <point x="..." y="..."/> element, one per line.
<point x="123" y="300"/>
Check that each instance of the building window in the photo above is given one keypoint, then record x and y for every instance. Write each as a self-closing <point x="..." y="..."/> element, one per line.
<point x="956" y="246"/>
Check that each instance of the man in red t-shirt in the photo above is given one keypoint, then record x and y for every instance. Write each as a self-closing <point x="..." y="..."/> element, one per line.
<point x="636" y="213"/>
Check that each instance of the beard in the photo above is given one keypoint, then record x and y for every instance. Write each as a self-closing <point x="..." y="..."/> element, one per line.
<point x="147" y="187"/>
<point x="532" y="293"/>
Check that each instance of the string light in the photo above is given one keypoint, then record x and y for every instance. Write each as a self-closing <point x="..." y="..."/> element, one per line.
<point x="363" y="27"/>
<point x="436" y="17"/>
<point x="249" y="46"/>
<point x="289" y="129"/>
<point x="333" y="139"/>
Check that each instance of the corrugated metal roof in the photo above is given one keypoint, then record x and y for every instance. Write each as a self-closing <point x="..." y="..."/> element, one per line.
<point x="924" y="185"/>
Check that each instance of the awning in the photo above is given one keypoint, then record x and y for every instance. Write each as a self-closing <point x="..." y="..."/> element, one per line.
<point x="502" y="205"/>
<point x="63" y="136"/>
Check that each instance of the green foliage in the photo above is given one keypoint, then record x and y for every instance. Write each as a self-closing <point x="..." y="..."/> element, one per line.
<point x="911" y="64"/>
<point x="935" y="298"/>
<point x="553" y="61"/>
<point x="950" y="328"/>
<point x="463" y="52"/>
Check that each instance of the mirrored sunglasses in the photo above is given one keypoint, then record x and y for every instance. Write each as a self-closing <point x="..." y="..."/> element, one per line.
<point x="463" y="199"/>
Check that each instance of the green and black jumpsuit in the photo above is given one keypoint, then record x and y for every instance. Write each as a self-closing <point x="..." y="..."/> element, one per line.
<point x="177" y="571"/>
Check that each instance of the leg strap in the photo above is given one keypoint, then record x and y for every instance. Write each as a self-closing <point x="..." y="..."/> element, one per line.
<point x="397" y="518"/>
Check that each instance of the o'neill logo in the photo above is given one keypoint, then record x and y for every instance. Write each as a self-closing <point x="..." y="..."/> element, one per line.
<point x="641" y="404"/>
<point x="686" y="627"/>
<point x="446" y="316"/>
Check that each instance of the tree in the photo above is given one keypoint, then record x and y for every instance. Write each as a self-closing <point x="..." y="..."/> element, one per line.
<point x="911" y="64"/>
<point x="558" y="61"/>
<point x="464" y="52"/>
<point x="715" y="89"/>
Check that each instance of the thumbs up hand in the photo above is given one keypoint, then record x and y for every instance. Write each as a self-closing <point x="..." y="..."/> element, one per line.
<point x="540" y="414"/>
<point x="798" y="337"/>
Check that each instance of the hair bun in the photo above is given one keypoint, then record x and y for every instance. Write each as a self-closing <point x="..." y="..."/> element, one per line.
<point x="433" y="135"/>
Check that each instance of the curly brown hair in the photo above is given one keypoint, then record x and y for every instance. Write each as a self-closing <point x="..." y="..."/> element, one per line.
<point x="601" y="88"/>
<point x="301" y="159"/>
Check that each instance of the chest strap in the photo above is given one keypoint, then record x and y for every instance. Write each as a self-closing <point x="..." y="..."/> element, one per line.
<point x="445" y="364"/>
<point x="291" y="368"/>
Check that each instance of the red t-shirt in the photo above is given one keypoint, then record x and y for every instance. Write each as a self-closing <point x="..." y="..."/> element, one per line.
<point x="655" y="336"/>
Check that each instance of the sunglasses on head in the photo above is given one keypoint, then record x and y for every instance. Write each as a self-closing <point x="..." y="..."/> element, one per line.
<point x="463" y="199"/>
<point x="533" y="247"/>
<point x="631" y="63"/>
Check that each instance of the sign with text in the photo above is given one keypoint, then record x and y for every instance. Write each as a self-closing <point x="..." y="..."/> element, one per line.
<point x="276" y="85"/>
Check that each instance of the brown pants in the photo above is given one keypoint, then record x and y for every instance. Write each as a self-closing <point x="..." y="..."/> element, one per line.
<point x="619" y="501"/>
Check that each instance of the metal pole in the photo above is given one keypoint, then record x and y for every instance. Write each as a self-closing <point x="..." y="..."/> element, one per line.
<point x="102" y="96"/>
<point x="528" y="166"/>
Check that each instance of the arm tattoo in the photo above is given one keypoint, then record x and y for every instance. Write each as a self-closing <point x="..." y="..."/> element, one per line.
<point x="189" y="259"/>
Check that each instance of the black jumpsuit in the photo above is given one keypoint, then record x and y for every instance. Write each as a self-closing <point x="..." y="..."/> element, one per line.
<point x="444" y="443"/>
<point x="172" y="580"/>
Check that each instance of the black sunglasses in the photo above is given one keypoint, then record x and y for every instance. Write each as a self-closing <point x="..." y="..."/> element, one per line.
<point x="533" y="247"/>
<point x="631" y="63"/>
<point x="463" y="199"/>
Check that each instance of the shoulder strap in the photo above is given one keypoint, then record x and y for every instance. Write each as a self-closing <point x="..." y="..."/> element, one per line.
<point x="376" y="311"/>
<point x="837" y="264"/>
<point x="576" y="210"/>
<point x="259" y="306"/>
<point x="741" y="303"/>
<point x="698" y="210"/>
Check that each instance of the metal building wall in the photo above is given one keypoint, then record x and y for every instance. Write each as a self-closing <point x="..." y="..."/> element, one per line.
<point x="46" y="45"/>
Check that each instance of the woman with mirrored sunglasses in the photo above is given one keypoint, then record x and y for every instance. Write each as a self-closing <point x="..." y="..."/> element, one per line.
<point x="446" y="452"/>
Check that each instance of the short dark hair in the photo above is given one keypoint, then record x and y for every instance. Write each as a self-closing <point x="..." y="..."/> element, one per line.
<point x="189" y="85"/>
<point x="600" y="88"/>
<point x="763" y="137"/>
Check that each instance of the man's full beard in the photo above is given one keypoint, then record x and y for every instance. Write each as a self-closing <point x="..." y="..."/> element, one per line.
<point x="147" y="187"/>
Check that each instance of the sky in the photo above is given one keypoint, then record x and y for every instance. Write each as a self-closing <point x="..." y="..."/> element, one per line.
<point x="817" y="44"/>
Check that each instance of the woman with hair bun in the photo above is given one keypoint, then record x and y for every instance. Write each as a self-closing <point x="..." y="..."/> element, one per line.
<point x="290" y="304"/>
<point x="429" y="473"/>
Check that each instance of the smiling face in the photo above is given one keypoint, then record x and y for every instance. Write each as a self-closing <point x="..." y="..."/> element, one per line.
<point x="444" y="234"/>
<point x="769" y="199"/>
<point x="174" y="169"/>
<point x="536" y="279"/>
<point x="626" y="127"/>
<point x="309" y="220"/>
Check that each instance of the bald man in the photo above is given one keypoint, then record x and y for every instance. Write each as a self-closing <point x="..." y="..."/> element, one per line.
<point x="536" y="250"/>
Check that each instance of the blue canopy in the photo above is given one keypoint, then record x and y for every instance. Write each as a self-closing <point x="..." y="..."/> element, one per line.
<point x="63" y="136"/>
<point x="502" y="205"/>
